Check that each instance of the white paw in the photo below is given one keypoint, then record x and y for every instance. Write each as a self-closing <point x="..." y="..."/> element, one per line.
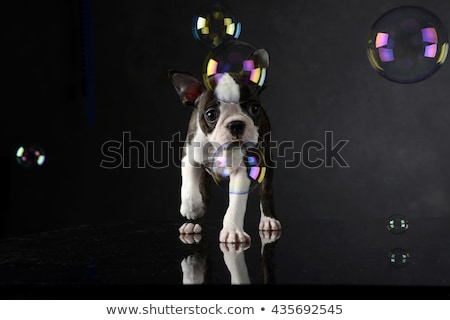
<point x="192" y="208"/>
<point x="268" y="223"/>
<point x="190" y="227"/>
<point x="233" y="235"/>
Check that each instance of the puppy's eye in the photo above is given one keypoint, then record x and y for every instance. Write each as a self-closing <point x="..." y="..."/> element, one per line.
<point x="254" y="109"/>
<point x="211" y="114"/>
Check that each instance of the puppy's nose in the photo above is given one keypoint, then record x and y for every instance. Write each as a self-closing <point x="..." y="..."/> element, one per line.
<point x="236" y="127"/>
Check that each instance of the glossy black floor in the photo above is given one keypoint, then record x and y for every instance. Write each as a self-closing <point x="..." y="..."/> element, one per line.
<point x="313" y="253"/>
<point x="104" y="259"/>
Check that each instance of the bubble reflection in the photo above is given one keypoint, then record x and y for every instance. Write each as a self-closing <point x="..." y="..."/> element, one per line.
<point x="397" y="224"/>
<point x="398" y="257"/>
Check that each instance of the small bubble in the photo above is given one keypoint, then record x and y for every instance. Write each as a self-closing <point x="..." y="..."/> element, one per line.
<point x="215" y="24"/>
<point x="30" y="156"/>
<point x="397" y="224"/>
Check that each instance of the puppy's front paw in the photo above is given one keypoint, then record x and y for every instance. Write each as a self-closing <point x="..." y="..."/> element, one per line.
<point x="189" y="228"/>
<point x="268" y="223"/>
<point x="192" y="208"/>
<point x="233" y="235"/>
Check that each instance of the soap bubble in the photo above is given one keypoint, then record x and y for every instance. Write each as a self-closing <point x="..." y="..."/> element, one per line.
<point x="215" y="24"/>
<point x="241" y="59"/>
<point x="398" y="257"/>
<point x="237" y="156"/>
<point x="407" y="44"/>
<point x="397" y="224"/>
<point x="30" y="156"/>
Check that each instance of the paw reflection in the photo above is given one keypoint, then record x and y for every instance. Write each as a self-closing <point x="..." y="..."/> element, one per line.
<point x="269" y="236"/>
<point x="234" y="247"/>
<point x="190" y="238"/>
<point x="195" y="267"/>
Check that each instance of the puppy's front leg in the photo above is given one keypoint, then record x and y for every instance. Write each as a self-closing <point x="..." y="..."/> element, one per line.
<point x="194" y="195"/>
<point x="233" y="221"/>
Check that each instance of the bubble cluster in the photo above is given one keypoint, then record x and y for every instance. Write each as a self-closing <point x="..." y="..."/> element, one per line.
<point x="242" y="60"/>
<point x="241" y="160"/>
<point x="30" y="156"/>
<point x="407" y="44"/>
<point x="215" y="24"/>
<point x="397" y="224"/>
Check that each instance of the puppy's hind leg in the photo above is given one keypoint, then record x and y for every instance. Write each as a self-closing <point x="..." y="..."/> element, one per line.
<point x="194" y="195"/>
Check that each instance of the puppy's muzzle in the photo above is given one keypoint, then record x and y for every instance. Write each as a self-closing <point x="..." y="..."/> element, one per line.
<point x="236" y="128"/>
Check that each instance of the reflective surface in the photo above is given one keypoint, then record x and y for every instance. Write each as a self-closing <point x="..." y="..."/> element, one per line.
<point x="309" y="253"/>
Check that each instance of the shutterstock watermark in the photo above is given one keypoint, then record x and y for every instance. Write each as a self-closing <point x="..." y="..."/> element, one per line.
<point x="131" y="153"/>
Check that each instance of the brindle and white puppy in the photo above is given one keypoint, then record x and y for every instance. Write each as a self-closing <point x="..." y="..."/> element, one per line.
<point x="232" y="112"/>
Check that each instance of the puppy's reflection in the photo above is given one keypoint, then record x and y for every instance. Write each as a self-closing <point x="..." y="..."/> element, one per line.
<point x="196" y="267"/>
<point x="233" y="256"/>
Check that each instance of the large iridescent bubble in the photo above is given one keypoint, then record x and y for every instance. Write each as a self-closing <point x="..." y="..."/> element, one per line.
<point x="407" y="44"/>
<point x="241" y="59"/>
<point x="239" y="157"/>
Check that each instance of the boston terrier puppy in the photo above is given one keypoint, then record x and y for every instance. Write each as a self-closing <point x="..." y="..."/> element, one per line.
<point x="231" y="111"/>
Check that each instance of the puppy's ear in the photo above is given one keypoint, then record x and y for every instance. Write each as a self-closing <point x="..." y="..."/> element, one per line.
<point x="188" y="87"/>
<point x="261" y="56"/>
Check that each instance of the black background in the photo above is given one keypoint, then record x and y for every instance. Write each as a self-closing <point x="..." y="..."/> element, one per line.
<point x="319" y="80"/>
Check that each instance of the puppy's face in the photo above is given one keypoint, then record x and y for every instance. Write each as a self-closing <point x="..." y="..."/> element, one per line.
<point x="230" y="113"/>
